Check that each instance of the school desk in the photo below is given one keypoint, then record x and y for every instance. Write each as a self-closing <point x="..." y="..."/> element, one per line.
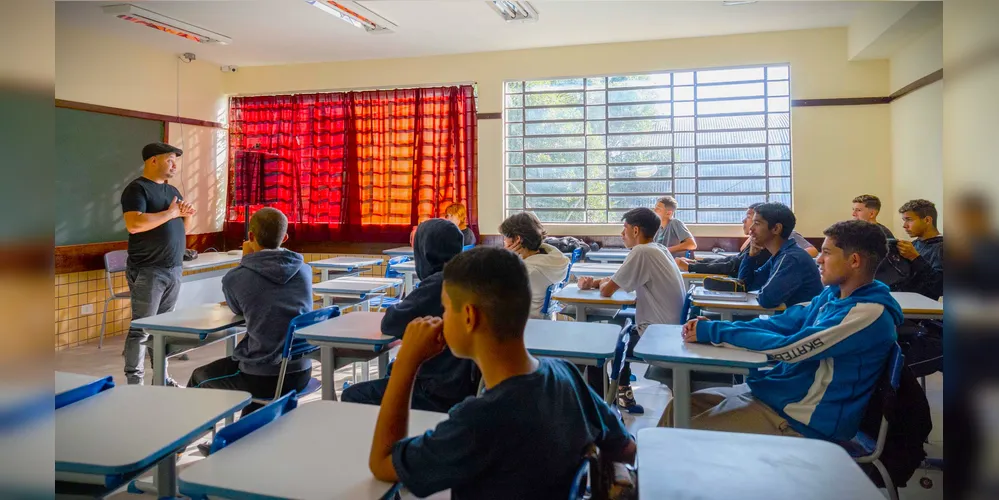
<point x="587" y="344"/>
<point x="727" y="308"/>
<point x="344" y="264"/>
<point x="399" y="252"/>
<point x="918" y="306"/>
<point x="357" y="290"/>
<point x="581" y="299"/>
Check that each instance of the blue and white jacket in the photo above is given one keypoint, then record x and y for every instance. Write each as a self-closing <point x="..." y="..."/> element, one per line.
<point x="830" y="355"/>
<point x="789" y="277"/>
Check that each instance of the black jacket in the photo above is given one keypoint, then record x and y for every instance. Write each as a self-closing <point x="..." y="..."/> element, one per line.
<point x="444" y="376"/>
<point x="729" y="265"/>
<point x="926" y="271"/>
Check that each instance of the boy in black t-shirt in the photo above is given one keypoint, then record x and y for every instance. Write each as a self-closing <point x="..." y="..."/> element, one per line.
<point x="525" y="436"/>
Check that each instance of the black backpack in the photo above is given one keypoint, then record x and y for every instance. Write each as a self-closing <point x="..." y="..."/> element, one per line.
<point x="894" y="269"/>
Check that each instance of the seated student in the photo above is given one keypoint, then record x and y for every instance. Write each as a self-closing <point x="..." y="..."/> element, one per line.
<point x="650" y="272"/>
<point x="444" y="380"/>
<point x="523" y="235"/>
<point x="789" y="277"/>
<point x="925" y="253"/>
<point x="524" y="436"/>
<point x="270" y="286"/>
<point x="727" y="265"/>
<point x="830" y="352"/>
<point x="672" y="233"/>
<point x="804" y="244"/>
<point x="456" y="213"/>
<point x="867" y="207"/>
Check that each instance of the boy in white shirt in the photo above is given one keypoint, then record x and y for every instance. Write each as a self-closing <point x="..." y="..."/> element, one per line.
<point x="650" y="272"/>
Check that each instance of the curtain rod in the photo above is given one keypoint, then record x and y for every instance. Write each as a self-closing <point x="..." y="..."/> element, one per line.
<point x="358" y="89"/>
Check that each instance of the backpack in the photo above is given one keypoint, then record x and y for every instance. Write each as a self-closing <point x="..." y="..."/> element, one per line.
<point x="894" y="269"/>
<point x="567" y="244"/>
<point x="909" y="424"/>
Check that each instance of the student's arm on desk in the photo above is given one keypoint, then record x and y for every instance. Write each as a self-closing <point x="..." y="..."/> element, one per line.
<point x="829" y="338"/>
<point x="608" y="287"/>
<point x="687" y="244"/>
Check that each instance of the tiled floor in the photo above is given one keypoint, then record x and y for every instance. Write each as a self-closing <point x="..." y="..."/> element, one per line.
<point x="87" y="359"/>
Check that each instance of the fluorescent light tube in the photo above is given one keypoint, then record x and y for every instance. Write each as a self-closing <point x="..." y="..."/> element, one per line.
<point x="368" y="21"/>
<point x="165" y="24"/>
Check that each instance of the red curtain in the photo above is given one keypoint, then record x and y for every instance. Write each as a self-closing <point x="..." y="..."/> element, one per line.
<point x="359" y="166"/>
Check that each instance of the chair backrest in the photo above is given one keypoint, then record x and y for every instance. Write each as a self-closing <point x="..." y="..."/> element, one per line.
<point x="392" y="273"/>
<point x="576" y="253"/>
<point x="467" y="247"/>
<point x="896" y="361"/>
<point x="685" y="310"/>
<point x="69" y="397"/>
<point x="114" y="262"/>
<point x="578" y="489"/>
<point x="621" y="349"/>
<point x="546" y="305"/>
<point x="304" y="320"/>
<point x="245" y="425"/>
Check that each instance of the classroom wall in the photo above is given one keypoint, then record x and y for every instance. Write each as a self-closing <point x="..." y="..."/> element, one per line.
<point x="916" y="128"/>
<point x="836" y="150"/>
<point x="97" y="69"/>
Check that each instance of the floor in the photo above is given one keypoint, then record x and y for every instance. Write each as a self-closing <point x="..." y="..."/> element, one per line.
<point x="88" y="359"/>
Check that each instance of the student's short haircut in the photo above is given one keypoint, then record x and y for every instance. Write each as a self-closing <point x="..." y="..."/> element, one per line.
<point x="527" y="226"/>
<point x="644" y="218"/>
<point x="269" y="226"/>
<point x="922" y="208"/>
<point x="869" y="201"/>
<point x="859" y="236"/>
<point x="754" y="206"/>
<point x="669" y="202"/>
<point x="775" y="213"/>
<point x="458" y="210"/>
<point x="494" y="279"/>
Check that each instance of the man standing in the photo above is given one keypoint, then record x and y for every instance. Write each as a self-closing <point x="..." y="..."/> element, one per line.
<point x="157" y="219"/>
<point x="672" y="233"/>
<point x="867" y="207"/>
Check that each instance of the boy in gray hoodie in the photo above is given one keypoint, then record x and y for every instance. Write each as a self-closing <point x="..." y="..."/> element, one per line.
<point x="270" y="286"/>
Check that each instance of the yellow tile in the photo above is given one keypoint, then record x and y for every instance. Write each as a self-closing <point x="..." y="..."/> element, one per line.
<point x="74" y="312"/>
<point x="63" y="302"/>
<point x="62" y="340"/>
<point x="73" y="337"/>
<point x="74" y="301"/>
<point x="74" y="324"/>
<point x="61" y="279"/>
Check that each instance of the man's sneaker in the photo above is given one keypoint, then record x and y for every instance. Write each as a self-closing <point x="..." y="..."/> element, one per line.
<point x="626" y="400"/>
<point x="172" y="383"/>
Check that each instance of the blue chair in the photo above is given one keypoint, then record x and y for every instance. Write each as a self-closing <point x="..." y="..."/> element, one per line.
<point x="620" y="350"/>
<point x="83" y="392"/>
<point x="297" y="348"/>
<point x="865" y="449"/>
<point x="578" y="490"/>
<point x="467" y="247"/>
<point x="269" y="413"/>
<point x="382" y="303"/>
<point x="573" y="259"/>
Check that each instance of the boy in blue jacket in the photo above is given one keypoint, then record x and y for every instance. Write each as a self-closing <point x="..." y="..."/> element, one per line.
<point x="524" y="437"/>
<point x="830" y="353"/>
<point x="790" y="276"/>
<point x="270" y="287"/>
<point x="444" y="380"/>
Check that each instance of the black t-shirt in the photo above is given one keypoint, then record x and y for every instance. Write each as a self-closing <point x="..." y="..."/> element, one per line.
<point x="164" y="245"/>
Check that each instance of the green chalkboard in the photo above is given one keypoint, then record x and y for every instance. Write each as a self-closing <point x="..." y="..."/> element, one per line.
<point x="97" y="155"/>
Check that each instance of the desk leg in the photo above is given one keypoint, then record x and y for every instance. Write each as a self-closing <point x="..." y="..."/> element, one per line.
<point x="324" y="274"/>
<point x="166" y="477"/>
<point x="407" y="283"/>
<point x="608" y="397"/>
<point x="159" y="353"/>
<point x="327" y="301"/>
<point x="726" y="315"/>
<point x="581" y="313"/>
<point x="681" y="397"/>
<point x="365" y="371"/>
<point x="327" y="358"/>
<point x="383" y="361"/>
<point x="230" y="345"/>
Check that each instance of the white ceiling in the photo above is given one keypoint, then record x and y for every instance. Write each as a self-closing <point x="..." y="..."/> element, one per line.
<point x="267" y="32"/>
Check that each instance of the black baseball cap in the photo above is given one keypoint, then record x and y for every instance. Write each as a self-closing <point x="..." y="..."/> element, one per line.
<point x="159" y="148"/>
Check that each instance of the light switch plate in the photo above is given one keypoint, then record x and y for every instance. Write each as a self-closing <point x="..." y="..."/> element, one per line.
<point x="86" y="309"/>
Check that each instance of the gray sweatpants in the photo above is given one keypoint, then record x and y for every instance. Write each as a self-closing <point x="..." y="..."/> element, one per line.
<point x="154" y="291"/>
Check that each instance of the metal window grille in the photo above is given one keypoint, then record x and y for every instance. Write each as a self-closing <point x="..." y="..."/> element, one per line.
<point x="585" y="150"/>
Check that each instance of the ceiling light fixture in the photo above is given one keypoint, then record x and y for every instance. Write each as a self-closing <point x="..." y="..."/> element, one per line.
<point x="165" y="24"/>
<point x="368" y="21"/>
<point x="733" y="3"/>
<point x="515" y="12"/>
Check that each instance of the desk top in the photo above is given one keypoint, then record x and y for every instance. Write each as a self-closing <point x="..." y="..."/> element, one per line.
<point x="595" y="270"/>
<point x="346" y="263"/>
<point x="399" y="252"/>
<point x="573" y="295"/>
<point x="323" y="450"/>
<point x="707" y="255"/>
<point x="750" y="305"/>
<point x="608" y="255"/>
<point x="65" y="382"/>
<point x="571" y="339"/>
<point x="914" y="303"/>
<point x="357" y="327"/>
<point x="405" y="267"/>
<point x="355" y="285"/>
<point x="684" y="463"/>
<point x="202" y="319"/>
<point x="665" y="343"/>
<point x="211" y="259"/>
<point x="130" y="427"/>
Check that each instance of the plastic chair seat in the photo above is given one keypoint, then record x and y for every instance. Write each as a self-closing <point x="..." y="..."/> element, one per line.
<point x="313" y="386"/>
<point x="303" y="349"/>
<point x="383" y="302"/>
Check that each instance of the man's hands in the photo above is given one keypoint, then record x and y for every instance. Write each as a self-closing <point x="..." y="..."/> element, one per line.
<point x="684" y="263"/>
<point x="516" y="248"/>
<point x="905" y="249"/>
<point x="247" y="248"/>
<point x="754" y="249"/>
<point x="689" y="330"/>
<point x="588" y="283"/>
<point x="424" y="339"/>
<point x="181" y="208"/>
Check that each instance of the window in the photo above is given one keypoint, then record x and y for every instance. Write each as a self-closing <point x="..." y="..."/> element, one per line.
<point x="585" y="150"/>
